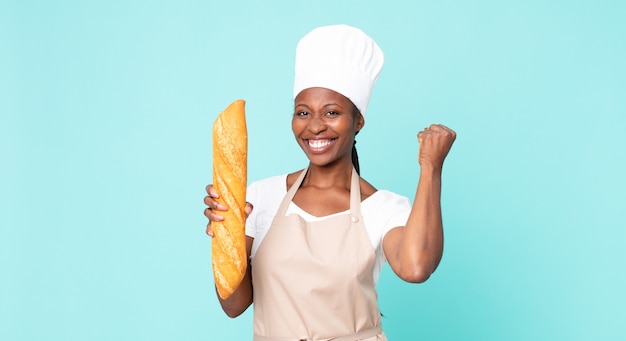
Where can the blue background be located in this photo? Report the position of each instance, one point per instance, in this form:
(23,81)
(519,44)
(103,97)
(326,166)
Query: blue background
(106,109)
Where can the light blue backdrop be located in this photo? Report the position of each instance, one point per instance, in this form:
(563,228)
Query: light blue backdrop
(106,109)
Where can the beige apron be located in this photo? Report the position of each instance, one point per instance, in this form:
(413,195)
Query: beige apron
(313,281)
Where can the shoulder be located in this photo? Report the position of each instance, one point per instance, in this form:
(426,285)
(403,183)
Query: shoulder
(271,182)
(370,195)
(272,188)
(387,200)
(367,189)
(291,178)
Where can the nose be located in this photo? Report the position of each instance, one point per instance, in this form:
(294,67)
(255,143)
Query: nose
(316,125)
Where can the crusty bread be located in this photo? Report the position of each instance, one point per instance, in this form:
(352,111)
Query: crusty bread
(230,152)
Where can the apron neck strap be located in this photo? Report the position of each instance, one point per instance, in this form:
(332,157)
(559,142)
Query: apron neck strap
(355,196)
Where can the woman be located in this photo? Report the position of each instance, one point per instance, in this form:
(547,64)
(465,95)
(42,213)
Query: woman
(317,238)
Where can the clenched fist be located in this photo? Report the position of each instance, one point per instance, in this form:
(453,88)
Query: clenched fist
(435,143)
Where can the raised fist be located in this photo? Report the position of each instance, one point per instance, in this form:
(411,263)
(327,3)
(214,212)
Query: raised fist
(435,143)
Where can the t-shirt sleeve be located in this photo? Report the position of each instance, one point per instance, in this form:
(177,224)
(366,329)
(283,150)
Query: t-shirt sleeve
(398,208)
(265,196)
(251,197)
(383,211)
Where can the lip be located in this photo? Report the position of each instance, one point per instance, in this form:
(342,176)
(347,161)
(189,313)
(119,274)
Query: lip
(319,145)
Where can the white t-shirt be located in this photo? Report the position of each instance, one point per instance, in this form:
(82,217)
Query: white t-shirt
(381,212)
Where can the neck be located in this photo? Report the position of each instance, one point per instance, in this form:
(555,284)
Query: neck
(329,176)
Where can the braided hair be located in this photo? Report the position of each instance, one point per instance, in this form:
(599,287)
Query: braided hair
(355,155)
(355,158)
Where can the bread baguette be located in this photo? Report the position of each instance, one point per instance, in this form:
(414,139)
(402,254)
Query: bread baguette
(230,152)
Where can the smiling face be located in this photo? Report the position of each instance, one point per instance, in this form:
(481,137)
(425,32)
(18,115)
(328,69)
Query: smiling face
(324,124)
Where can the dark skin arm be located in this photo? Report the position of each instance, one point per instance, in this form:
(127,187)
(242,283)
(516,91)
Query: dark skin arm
(414,251)
(241,299)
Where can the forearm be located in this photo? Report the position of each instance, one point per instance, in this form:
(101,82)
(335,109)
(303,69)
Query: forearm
(240,299)
(421,245)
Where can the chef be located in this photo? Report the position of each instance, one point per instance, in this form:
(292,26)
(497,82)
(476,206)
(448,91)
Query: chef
(317,238)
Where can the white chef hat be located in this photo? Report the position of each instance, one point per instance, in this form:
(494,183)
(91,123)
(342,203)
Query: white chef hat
(340,58)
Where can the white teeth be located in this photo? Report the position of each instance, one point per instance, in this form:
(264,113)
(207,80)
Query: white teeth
(319,143)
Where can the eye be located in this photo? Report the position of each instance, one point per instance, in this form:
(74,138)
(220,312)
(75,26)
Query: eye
(300,113)
(332,113)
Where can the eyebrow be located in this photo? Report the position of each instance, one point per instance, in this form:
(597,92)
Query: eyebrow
(324,106)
